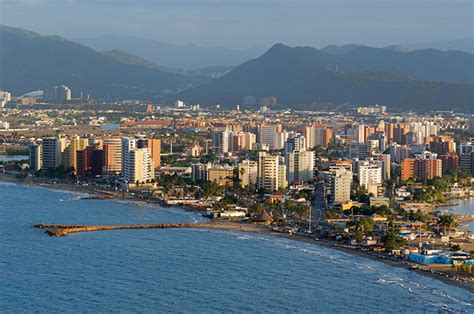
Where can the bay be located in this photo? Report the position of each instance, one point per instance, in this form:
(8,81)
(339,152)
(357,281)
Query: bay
(188,271)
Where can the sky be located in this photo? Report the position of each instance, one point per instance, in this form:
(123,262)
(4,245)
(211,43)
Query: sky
(245,23)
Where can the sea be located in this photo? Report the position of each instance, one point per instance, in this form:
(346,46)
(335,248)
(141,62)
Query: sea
(13,157)
(186,271)
(463,207)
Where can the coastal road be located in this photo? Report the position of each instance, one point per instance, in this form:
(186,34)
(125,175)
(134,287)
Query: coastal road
(318,203)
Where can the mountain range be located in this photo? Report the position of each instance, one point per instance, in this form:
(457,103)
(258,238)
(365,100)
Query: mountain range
(30,61)
(426,64)
(463,44)
(356,74)
(189,57)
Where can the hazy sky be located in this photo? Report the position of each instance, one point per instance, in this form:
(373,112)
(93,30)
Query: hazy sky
(243,23)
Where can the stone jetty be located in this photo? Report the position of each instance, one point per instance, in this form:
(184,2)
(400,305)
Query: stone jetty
(62,230)
(464,218)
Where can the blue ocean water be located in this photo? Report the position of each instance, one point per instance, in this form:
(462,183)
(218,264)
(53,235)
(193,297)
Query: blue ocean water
(13,157)
(463,207)
(178,270)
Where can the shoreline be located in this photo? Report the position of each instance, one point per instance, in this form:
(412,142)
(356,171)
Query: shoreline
(259,229)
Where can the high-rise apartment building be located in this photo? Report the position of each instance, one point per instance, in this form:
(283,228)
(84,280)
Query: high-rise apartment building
(300,166)
(268,135)
(359,150)
(466,162)
(221,141)
(424,166)
(271,172)
(399,152)
(340,182)
(58,93)
(442,145)
(51,152)
(129,144)
(269,102)
(138,166)
(322,136)
(70,152)
(112,155)
(199,172)
(248,173)
(386,166)
(154,145)
(35,157)
(369,173)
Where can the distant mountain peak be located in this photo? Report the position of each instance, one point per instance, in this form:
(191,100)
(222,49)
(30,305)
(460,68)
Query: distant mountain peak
(342,49)
(18,31)
(353,74)
(278,48)
(175,56)
(128,58)
(397,48)
(46,61)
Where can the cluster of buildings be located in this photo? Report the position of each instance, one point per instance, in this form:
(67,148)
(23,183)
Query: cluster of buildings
(269,137)
(293,163)
(57,94)
(272,151)
(267,102)
(287,154)
(135,158)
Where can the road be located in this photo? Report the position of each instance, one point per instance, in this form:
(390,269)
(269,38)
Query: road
(318,203)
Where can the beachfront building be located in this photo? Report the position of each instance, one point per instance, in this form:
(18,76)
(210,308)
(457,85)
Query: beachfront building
(248,173)
(271,172)
(35,157)
(154,144)
(51,152)
(112,155)
(129,144)
(70,152)
(138,166)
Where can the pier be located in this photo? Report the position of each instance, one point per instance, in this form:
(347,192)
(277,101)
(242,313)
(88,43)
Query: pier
(62,230)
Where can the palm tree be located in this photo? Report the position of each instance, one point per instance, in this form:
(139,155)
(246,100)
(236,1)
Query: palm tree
(447,222)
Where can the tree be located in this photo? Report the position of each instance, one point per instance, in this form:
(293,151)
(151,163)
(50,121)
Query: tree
(392,239)
(447,222)
(362,228)
(455,247)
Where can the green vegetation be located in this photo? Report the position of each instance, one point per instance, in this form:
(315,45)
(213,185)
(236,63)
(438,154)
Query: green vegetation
(392,239)
(362,228)
(446,222)
(370,210)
